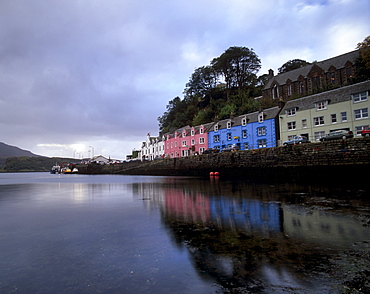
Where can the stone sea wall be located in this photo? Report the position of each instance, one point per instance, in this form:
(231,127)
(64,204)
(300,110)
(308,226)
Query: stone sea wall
(348,159)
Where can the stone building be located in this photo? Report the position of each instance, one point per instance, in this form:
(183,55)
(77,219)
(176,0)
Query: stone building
(313,78)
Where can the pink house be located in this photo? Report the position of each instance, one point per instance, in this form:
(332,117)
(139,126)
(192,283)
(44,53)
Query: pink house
(186,141)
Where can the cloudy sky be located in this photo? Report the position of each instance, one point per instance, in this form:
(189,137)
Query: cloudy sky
(92,76)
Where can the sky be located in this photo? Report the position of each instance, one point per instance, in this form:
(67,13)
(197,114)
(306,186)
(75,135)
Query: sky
(90,77)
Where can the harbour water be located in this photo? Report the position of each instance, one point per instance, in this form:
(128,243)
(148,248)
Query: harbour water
(142,234)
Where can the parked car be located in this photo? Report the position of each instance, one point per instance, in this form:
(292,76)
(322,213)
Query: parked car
(365,132)
(230,148)
(335,135)
(211,150)
(296,140)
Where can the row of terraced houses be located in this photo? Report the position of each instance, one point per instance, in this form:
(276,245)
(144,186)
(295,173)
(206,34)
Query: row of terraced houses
(341,106)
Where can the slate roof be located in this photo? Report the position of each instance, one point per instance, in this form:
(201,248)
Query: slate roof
(269,113)
(333,96)
(293,75)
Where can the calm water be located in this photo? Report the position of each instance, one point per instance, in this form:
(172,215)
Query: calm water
(139,234)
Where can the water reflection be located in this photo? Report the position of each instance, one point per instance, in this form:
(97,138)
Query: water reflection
(257,238)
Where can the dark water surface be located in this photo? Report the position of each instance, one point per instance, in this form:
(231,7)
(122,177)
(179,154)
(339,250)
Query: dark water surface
(140,234)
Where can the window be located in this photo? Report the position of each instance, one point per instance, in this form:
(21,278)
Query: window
(332,77)
(261,131)
(192,142)
(262,143)
(304,123)
(228,125)
(343,116)
(359,97)
(215,128)
(201,140)
(318,121)
(184,134)
(361,113)
(301,87)
(316,83)
(291,112)
(216,138)
(289,90)
(291,125)
(192,132)
(183,143)
(349,72)
(201,150)
(228,136)
(244,133)
(318,135)
(275,92)
(201,131)
(244,121)
(260,117)
(246,146)
(321,105)
(333,118)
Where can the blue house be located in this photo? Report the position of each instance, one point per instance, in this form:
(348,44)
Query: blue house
(249,131)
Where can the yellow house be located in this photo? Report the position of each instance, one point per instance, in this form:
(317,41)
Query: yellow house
(345,108)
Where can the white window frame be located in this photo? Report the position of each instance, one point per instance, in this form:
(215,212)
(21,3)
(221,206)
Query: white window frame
(262,143)
(318,121)
(260,117)
(318,135)
(343,116)
(201,140)
(261,131)
(291,125)
(228,136)
(361,113)
(184,143)
(244,121)
(333,118)
(304,123)
(244,133)
(360,97)
(291,111)
(322,105)
(228,125)
(215,128)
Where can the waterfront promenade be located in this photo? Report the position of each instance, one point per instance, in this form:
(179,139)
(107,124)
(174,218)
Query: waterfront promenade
(348,159)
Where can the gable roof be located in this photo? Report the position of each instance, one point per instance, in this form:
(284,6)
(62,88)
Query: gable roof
(333,96)
(293,75)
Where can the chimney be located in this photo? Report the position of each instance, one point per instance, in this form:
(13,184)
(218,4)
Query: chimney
(271,73)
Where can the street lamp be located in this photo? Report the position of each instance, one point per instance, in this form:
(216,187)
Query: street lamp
(92,151)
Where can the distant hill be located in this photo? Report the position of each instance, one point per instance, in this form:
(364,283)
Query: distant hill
(12,151)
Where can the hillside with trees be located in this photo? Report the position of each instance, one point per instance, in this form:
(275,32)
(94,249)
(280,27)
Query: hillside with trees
(229,85)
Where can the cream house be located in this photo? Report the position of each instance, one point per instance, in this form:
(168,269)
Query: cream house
(316,115)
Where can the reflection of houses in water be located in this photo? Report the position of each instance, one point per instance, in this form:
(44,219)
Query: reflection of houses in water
(323,227)
(186,206)
(246,214)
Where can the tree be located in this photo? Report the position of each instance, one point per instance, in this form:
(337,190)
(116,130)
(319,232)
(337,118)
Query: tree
(362,63)
(291,65)
(202,82)
(239,66)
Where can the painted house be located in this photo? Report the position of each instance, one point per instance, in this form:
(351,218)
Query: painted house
(345,108)
(186,141)
(249,131)
(152,148)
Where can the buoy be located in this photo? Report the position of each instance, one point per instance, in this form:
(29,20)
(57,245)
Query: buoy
(216,173)
(211,174)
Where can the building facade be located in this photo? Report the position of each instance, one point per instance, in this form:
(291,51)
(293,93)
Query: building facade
(345,108)
(313,78)
(250,131)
